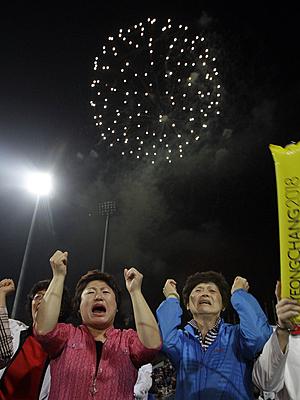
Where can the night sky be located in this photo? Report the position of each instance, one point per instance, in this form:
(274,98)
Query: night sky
(214,209)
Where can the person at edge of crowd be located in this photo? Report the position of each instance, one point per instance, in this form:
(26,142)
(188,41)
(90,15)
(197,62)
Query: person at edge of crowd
(144,382)
(24,373)
(213,359)
(276,372)
(94,360)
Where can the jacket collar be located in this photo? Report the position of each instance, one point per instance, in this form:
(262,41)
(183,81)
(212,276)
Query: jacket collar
(192,331)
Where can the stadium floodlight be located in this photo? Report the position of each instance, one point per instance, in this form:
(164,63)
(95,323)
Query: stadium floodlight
(39,183)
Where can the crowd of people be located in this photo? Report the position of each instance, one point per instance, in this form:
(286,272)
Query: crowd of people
(72,350)
(164,380)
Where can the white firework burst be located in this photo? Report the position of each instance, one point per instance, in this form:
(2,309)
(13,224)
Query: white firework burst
(155,90)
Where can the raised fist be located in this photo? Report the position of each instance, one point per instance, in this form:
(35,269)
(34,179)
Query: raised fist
(7,286)
(170,288)
(240,283)
(58,262)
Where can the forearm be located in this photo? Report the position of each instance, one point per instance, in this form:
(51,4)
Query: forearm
(146,325)
(283,338)
(49,310)
(6,344)
(2,300)
(254,327)
(169,318)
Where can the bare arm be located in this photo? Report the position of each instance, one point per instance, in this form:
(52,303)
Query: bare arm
(48,313)
(146,325)
(285,310)
(7,286)
(6,346)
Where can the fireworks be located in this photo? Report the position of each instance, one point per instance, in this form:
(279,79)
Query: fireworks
(155,90)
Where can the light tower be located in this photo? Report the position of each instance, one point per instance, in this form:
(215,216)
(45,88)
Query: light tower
(106,208)
(40,184)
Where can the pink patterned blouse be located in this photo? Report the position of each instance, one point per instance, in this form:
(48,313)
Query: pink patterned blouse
(74,373)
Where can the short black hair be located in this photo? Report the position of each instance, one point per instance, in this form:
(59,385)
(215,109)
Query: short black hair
(205,277)
(94,275)
(66,304)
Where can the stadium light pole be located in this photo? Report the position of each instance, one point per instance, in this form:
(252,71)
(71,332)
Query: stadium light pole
(106,208)
(40,184)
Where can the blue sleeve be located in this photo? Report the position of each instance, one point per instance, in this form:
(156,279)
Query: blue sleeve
(169,318)
(254,327)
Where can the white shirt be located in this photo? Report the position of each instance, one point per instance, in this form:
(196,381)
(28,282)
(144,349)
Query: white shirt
(143,383)
(276,373)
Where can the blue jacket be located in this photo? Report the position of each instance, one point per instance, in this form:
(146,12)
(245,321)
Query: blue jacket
(223,371)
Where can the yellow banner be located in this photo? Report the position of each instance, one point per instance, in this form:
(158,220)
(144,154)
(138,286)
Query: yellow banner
(287,168)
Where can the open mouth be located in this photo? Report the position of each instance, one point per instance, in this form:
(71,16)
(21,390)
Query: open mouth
(205,302)
(99,309)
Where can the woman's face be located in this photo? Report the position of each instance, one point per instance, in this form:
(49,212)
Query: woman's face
(205,299)
(98,305)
